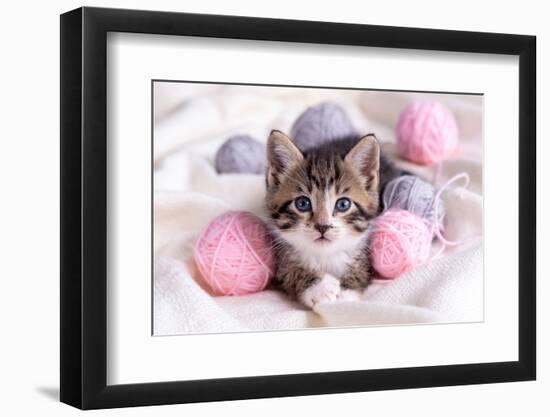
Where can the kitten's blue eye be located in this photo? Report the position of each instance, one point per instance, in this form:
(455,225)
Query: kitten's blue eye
(343,204)
(303,203)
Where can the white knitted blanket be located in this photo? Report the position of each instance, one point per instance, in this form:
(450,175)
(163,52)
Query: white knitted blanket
(192,121)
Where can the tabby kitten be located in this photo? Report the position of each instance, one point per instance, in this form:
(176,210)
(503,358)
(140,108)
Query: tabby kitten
(321,202)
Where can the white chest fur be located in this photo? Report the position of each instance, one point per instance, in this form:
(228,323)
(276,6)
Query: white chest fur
(334,258)
(325,262)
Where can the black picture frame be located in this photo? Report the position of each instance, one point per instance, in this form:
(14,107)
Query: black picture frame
(84,207)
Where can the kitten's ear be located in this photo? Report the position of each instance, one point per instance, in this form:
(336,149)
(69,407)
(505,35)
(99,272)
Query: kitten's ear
(364,157)
(282,156)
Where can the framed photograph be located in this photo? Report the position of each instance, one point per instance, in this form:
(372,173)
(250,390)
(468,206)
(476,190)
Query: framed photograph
(258,208)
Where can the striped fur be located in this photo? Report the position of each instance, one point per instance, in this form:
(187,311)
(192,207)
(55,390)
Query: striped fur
(348,168)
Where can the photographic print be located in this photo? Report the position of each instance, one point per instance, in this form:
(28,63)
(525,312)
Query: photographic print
(289,208)
(333,202)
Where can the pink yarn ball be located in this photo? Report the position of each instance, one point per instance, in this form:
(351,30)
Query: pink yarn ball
(233,254)
(426,132)
(400,241)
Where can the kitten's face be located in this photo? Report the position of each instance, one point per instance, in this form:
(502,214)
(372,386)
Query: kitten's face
(321,202)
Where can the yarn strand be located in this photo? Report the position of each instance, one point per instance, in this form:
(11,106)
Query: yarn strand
(445,186)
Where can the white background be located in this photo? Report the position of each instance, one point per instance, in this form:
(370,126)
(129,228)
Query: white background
(29,213)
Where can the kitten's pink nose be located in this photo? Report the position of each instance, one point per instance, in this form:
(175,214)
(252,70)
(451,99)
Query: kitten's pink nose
(322,228)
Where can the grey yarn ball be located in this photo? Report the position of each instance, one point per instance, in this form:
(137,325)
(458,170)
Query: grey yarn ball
(241,154)
(321,123)
(413,194)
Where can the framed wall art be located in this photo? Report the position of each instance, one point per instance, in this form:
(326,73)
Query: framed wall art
(256,208)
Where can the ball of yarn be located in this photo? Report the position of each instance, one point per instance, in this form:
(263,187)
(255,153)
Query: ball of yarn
(233,254)
(321,123)
(411,193)
(399,241)
(426,132)
(241,154)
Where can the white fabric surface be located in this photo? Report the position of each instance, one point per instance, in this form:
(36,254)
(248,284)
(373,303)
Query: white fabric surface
(192,121)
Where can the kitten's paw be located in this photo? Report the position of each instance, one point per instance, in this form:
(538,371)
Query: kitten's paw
(350,295)
(325,290)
